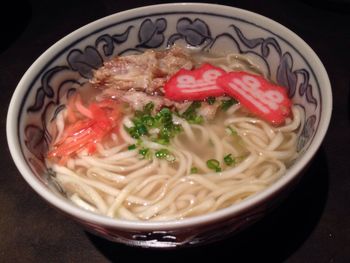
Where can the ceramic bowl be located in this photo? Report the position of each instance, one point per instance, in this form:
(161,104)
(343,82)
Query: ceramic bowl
(284,56)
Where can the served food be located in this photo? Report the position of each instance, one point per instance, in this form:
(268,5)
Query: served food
(170,134)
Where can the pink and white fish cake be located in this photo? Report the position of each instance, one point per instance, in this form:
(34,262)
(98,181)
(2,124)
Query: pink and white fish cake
(265,99)
(197,84)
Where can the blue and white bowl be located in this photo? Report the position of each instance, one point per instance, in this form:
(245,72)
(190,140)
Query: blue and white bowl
(284,57)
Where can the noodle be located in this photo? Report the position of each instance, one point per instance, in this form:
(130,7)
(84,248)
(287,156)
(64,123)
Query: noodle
(116,182)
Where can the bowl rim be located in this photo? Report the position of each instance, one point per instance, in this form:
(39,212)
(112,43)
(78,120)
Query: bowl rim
(87,216)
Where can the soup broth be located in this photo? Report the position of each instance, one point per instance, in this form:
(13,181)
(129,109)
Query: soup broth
(124,150)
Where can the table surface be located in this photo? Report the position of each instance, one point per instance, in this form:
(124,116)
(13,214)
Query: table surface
(312,224)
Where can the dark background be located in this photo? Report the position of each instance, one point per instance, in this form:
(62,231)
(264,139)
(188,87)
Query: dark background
(312,224)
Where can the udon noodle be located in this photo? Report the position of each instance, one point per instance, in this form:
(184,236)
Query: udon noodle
(119,182)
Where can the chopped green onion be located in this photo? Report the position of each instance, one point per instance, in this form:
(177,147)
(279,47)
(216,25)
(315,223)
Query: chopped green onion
(211,100)
(195,105)
(194,170)
(226,104)
(132,147)
(214,164)
(161,122)
(165,112)
(138,142)
(177,128)
(196,120)
(147,120)
(162,141)
(145,152)
(148,108)
(161,154)
(191,114)
(141,129)
(165,154)
(133,132)
(231,131)
(229,160)
(163,117)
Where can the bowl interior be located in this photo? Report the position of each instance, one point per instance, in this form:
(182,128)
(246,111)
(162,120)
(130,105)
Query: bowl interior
(43,90)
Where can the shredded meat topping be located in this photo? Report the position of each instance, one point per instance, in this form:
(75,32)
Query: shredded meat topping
(144,72)
(138,99)
(139,79)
